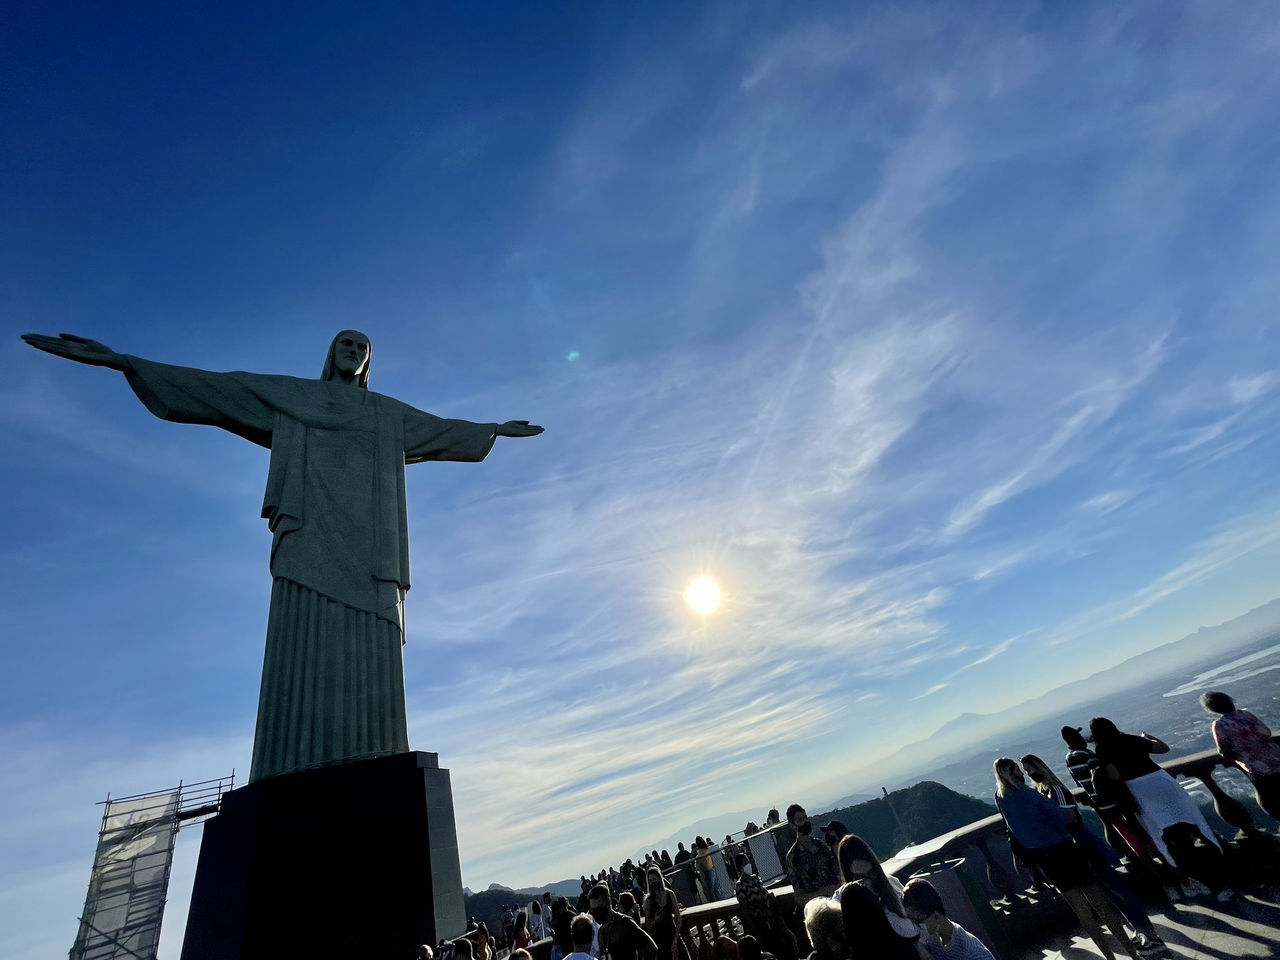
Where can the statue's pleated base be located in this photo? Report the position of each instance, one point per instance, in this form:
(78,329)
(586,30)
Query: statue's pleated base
(332,685)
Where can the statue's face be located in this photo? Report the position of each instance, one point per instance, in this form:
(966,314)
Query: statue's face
(350,354)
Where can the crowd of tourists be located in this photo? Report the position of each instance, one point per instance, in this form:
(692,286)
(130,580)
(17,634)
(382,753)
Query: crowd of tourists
(845,906)
(1150,823)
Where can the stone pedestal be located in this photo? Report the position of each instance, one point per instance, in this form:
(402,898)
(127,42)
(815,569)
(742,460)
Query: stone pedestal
(354,860)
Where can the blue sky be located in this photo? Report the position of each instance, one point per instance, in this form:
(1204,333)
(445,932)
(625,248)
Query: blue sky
(942,335)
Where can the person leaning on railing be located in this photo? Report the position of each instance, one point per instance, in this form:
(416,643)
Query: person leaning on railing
(1246,742)
(1040,826)
(1166,811)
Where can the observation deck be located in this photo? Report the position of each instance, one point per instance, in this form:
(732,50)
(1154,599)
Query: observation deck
(975,873)
(984,890)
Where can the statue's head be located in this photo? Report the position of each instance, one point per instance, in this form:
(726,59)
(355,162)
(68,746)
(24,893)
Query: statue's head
(348,358)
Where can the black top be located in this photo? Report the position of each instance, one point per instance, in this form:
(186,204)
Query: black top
(1130,754)
(622,939)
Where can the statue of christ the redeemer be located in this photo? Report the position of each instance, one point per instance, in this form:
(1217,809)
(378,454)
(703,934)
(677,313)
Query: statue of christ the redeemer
(332,675)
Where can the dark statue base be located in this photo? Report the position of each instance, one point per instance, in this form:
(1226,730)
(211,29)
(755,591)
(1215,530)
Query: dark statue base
(354,860)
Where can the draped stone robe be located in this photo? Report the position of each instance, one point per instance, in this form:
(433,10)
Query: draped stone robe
(332,675)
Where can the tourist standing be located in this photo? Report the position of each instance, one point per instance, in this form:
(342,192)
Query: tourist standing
(702,851)
(1040,826)
(1103,859)
(867,933)
(809,863)
(684,860)
(484,942)
(859,864)
(662,917)
(1244,740)
(538,919)
(521,937)
(619,936)
(762,918)
(561,937)
(582,932)
(1121,827)
(1165,810)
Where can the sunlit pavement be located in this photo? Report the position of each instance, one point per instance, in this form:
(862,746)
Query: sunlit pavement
(1195,930)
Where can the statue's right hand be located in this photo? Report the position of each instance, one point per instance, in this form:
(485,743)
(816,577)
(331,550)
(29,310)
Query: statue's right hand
(80,349)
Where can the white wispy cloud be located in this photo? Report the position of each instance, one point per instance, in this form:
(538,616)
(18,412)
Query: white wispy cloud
(782,462)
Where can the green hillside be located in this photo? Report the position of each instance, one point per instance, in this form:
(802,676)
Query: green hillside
(926,809)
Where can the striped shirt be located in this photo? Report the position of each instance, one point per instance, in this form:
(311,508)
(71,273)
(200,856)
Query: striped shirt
(963,946)
(1081,763)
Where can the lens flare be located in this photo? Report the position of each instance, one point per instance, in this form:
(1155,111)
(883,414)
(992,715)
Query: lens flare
(703,595)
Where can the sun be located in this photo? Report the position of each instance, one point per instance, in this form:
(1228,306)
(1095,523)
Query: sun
(703,595)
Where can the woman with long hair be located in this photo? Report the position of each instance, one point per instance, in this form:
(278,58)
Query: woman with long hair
(662,917)
(763,919)
(706,868)
(1165,810)
(1040,826)
(859,864)
(561,928)
(520,935)
(1101,856)
(537,919)
(867,933)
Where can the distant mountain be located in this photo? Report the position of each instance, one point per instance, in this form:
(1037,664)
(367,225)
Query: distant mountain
(908,816)
(714,828)
(851,800)
(487,904)
(561,888)
(971,731)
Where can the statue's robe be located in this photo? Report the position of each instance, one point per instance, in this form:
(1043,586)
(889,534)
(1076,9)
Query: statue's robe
(332,674)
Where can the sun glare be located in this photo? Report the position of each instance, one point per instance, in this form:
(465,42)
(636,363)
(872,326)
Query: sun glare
(703,595)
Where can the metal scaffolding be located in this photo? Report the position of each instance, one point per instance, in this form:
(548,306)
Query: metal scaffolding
(129,883)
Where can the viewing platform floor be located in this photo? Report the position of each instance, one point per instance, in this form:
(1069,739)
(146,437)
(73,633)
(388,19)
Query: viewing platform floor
(1245,927)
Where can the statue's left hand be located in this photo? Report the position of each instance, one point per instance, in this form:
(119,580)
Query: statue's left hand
(518,428)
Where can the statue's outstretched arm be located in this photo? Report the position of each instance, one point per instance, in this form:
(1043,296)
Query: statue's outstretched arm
(79,349)
(518,428)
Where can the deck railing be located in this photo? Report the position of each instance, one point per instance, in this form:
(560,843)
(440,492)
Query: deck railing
(975,872)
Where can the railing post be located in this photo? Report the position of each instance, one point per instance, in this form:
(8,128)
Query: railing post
(1228,807)
(996,873)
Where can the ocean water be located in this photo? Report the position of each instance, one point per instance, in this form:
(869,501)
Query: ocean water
(1233,674)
